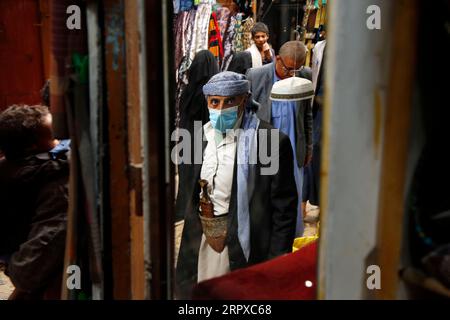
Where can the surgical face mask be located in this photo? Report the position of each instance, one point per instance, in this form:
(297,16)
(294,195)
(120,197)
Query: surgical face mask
(225,119)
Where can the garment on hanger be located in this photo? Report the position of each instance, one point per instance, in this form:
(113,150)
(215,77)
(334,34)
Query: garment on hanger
(238,34)
(228,43)
(181,77)
(317,61)
(245,6)
(223,19)
(176,6)
(200,33)
(185,5)
(214,38)
(180,41)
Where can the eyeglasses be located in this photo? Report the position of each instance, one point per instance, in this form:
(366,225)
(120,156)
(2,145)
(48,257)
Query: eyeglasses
(289,71)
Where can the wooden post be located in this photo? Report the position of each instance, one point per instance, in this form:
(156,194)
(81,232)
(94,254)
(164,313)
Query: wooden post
(395,149)
(134,145)
(159,114)
(115,69)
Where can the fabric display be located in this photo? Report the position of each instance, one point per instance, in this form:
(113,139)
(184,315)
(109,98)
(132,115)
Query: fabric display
(247,27)
(215,40)
(238,43)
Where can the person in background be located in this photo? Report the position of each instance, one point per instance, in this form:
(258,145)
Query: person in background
(241,62)
(260,50)
(292,118)
(193,107)
(311,184)
(34,202)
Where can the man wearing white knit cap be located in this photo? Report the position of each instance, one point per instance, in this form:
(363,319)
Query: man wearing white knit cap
(243,211)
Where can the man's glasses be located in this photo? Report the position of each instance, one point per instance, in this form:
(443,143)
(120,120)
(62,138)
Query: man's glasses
(289,71)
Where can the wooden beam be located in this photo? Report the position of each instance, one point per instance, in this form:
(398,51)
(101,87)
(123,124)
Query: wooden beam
(115,69)
(395,149)
(134,145)
(159,111)
(44,8)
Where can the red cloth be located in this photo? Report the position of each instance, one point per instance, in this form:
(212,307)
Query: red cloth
(283,278)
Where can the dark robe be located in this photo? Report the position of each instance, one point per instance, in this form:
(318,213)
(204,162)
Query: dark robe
(193,107)
(33,215)
(241,62)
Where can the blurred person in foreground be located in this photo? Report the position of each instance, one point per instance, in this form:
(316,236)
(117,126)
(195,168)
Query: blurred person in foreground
(34,199)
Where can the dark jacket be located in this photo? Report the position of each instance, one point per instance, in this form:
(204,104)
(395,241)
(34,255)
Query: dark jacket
(261,81)
(273,212)
(33,211)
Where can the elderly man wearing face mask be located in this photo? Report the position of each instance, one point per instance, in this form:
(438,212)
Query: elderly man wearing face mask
(243,211)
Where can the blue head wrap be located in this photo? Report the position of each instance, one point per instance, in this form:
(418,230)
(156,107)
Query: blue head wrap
(227,84)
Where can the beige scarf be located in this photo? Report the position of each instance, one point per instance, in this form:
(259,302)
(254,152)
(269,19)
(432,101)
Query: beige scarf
(256,56)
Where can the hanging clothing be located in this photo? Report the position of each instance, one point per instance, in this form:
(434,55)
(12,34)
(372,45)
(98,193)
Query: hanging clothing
(228,43)
(180,39)
(200,37)
(245,6)
(317,61)
(176,6)
(184,28)
(247,27)
(239,34)
(189,32)
(241,62)
(214,38)
(185,5)
(223,19)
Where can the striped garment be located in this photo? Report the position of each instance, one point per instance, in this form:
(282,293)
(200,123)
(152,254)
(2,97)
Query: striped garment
(215,40)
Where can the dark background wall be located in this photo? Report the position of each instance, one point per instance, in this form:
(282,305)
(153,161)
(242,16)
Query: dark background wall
(21,56)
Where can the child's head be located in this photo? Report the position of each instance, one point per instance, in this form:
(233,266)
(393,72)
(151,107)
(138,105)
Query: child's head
(25,130)
(260,34)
